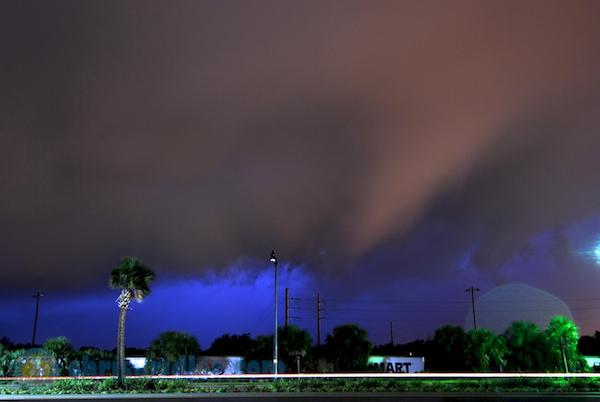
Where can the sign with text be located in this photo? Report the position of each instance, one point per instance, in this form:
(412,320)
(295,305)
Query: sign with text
(397,364)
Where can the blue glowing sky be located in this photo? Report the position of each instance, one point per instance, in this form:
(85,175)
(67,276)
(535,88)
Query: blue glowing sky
(393,154)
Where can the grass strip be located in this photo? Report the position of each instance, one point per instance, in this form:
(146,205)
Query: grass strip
(148,385)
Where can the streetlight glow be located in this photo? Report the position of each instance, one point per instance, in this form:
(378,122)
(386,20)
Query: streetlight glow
(596,253)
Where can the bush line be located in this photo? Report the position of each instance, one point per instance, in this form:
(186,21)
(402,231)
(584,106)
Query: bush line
(148,385)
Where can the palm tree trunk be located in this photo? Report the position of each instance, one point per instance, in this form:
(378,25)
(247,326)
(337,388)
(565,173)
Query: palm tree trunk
(564,356)
(121,345)
(123,303)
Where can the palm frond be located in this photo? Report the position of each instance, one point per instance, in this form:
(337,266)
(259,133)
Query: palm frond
(134,275)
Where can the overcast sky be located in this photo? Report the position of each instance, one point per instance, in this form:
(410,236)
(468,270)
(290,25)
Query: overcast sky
(396,152)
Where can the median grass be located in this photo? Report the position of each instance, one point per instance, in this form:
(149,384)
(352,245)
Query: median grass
(148,385)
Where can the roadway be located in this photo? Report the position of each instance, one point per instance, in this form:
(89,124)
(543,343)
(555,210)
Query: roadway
(316,397)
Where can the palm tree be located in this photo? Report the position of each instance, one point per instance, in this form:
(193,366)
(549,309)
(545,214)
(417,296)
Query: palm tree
(62,349)
(349,347)
(447,350)
(485,351)
(563,335)
(294,343)
(171,346)
(133,277)
(526,347)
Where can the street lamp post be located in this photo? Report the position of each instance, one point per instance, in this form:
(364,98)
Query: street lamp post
(273,259)
(37,307)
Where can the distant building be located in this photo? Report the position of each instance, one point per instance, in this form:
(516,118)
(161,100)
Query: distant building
(189,365)
(593,363)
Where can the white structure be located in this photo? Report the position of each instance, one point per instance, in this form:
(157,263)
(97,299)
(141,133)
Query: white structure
(397,364)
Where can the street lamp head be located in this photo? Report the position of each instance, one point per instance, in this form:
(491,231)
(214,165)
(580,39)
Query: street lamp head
(273,259)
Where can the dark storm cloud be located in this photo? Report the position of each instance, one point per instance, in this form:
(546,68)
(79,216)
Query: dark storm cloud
(539,175)
(193,134)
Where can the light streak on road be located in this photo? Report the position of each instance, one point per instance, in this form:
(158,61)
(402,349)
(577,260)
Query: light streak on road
(251,377)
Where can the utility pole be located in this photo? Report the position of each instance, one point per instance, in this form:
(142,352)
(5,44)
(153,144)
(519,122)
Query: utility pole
(287,306)
(473,290)
(37,308)
(392,331)
(319,318)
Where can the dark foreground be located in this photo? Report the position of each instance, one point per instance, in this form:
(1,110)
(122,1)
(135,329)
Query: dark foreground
(317,397)
(349,388)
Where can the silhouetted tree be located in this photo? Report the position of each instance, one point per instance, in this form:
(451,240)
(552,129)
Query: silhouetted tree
(414,348)
(527,347)
(294,343)
(226,345)
(590,345)
(133,278)
(169,346)
(349,348)
(485,351)
(294,346)
(95,354)
(447,350)
(5,341)
(261,349)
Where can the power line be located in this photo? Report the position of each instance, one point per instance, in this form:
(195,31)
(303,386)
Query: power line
(454,302)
